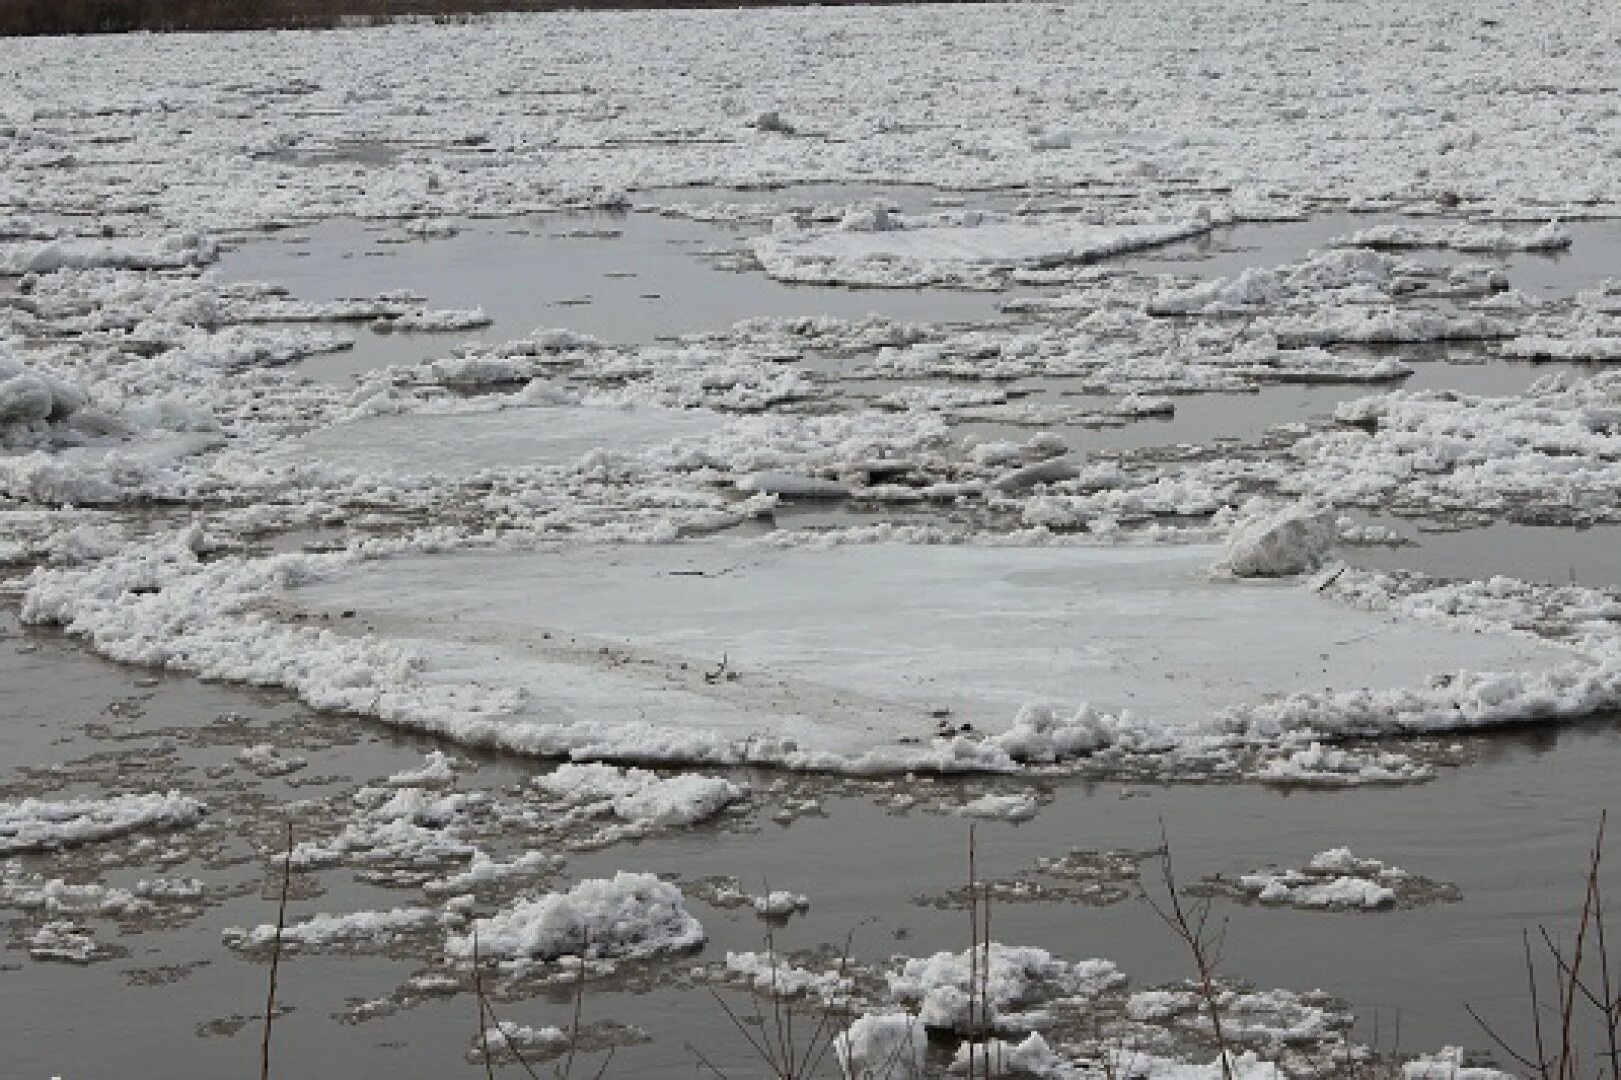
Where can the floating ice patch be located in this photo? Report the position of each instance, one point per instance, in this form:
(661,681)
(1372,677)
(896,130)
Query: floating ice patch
(974,252)
(172,252)
(1486,239)
(1016,979)
(38,825)
(523,438)
(355,930)
(1335,880)
(838,657)
(626,916)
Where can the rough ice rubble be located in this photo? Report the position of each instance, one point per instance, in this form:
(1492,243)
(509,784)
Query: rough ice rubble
(638,801)
(1020,978)
(628,916)
(350,930)
(1549,237)
(172,252)
(1372,132)
(41,825)
(1336,880)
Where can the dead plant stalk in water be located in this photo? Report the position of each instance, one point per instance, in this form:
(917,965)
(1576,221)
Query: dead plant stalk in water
(275,956)
(1191,924)
(1572,988)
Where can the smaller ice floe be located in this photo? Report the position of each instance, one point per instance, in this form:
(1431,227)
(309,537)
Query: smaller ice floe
(38,825)
(176,251)
(964,249)
(437,769)
(264,759)
(1140,405)
(1051,470)
(484,870)
(1018,806)
(999,1057)
(628,916)
(69,942)
(890,1045)
(1337,276)
(1481,239)
(55,896)
(1448,1063)
(1319,765)
(353,931)
(779,904)
(640,800)
(1017,981)
(728,893)
(1266,1020)
(1336,880)
(399,828)
(1279,543)
(510,1035)
(1393,326)
(771,974)
(508,1040)
(35,403)
(433,321)
(792,486)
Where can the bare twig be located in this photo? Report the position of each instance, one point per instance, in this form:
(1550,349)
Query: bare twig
(275,956)
(1192,926)
(483,1009)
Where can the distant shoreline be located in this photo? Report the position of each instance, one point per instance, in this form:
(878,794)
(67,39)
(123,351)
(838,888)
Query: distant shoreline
(36,18)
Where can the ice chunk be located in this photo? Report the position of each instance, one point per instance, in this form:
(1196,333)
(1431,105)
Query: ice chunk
(1281,543)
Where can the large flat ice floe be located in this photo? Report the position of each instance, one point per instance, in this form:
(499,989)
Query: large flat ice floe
(864,656)
(460,443)
(964,253)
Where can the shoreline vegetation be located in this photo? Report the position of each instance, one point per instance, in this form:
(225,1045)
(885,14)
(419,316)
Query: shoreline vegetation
(32,18)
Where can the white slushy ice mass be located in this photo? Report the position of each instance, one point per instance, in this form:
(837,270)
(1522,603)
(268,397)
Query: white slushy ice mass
(841,652)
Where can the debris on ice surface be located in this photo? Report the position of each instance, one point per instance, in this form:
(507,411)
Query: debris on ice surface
(39,825)
(629,916)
